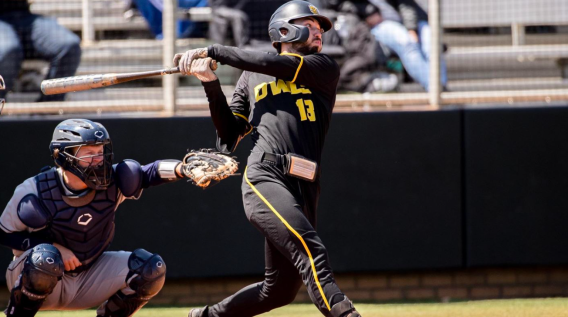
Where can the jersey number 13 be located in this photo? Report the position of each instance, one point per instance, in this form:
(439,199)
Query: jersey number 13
(306,108)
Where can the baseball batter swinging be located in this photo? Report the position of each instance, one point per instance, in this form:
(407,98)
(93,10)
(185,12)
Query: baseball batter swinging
(285,102)
(60,223)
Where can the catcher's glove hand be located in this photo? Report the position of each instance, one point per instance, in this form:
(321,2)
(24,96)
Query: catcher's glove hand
(206,165)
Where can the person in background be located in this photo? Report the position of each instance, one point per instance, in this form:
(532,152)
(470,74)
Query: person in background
(225,13)
(152,10)
(408,35)
(361,71)
(24,35)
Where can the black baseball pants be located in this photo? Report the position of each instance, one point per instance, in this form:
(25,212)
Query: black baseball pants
(283,209)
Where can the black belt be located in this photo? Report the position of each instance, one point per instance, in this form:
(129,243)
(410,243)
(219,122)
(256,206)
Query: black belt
(291,164)
(275,159)
(278,160)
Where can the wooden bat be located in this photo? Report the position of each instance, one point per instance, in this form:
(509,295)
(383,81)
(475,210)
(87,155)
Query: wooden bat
(86,82)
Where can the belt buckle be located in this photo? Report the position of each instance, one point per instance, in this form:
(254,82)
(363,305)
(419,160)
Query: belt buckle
(300,167)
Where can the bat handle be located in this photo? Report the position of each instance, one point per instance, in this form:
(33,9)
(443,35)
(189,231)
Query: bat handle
(169,71)
(175,70)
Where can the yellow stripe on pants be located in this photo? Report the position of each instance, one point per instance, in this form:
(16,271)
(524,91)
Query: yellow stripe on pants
(295,233)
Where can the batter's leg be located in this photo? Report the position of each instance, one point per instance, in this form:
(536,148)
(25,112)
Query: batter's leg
(279,215)
(279,288)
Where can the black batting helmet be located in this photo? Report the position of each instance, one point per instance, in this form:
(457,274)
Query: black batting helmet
(291,11)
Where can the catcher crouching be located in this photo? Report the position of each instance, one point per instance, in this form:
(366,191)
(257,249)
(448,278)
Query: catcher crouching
(60,222)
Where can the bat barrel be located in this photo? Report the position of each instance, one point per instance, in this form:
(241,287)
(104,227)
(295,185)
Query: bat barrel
(76,83)
(86,82)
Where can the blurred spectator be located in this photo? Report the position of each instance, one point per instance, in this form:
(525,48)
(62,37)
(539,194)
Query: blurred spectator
(152,10)
(408,35)
(259,13)
(24,35)
(225,13)
(361,70)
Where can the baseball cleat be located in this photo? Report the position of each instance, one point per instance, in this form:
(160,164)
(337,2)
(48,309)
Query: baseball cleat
(354,313)
(198,312)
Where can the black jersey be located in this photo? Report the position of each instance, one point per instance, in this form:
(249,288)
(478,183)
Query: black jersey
(284,101)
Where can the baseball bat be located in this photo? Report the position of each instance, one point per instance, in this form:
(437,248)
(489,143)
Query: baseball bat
(86,82)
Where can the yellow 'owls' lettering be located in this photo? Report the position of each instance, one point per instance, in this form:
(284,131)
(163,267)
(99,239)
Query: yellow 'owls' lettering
(277,87)
(260,91)
(295,90)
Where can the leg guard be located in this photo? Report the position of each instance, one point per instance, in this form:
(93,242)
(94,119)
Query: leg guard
(344,308)
(42,270)
(145,279)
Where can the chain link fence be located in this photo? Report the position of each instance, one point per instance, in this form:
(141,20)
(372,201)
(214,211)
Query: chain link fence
(490,51)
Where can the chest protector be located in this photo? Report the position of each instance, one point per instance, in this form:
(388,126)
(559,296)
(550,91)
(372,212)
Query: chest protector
(86,230)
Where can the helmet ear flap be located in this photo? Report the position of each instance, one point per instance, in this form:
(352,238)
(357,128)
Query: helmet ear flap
(60,157)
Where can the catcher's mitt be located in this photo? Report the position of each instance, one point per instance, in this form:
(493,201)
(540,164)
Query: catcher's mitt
(206,165)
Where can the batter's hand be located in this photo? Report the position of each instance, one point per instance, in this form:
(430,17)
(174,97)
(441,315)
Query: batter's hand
(201,69)
(184,60)
(69,259)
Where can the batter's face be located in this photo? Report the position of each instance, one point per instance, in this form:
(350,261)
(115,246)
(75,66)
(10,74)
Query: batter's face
(314,42)
(90,155)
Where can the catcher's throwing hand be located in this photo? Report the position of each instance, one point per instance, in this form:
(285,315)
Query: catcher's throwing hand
(201,69)
(183,60)
(205,165)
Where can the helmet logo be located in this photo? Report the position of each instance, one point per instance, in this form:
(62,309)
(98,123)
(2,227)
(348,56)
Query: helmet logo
(314,9)
(99,134)
(84,219)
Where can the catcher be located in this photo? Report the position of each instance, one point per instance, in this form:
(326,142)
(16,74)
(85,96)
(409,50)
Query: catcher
(60,222)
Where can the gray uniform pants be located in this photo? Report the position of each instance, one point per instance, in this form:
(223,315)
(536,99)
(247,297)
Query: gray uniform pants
(84,290)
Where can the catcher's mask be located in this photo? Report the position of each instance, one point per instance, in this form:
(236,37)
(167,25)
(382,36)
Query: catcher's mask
(68,138)
(285,14)
(2,101)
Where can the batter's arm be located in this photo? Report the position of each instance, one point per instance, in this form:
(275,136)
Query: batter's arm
(315,70)
(231,121)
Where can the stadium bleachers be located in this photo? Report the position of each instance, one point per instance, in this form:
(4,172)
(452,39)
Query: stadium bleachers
(476,61)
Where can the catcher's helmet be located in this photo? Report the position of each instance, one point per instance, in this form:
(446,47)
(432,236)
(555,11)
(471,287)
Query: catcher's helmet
(292,10)
(69,136)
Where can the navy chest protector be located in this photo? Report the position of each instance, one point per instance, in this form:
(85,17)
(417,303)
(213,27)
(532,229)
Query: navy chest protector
(86,230)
